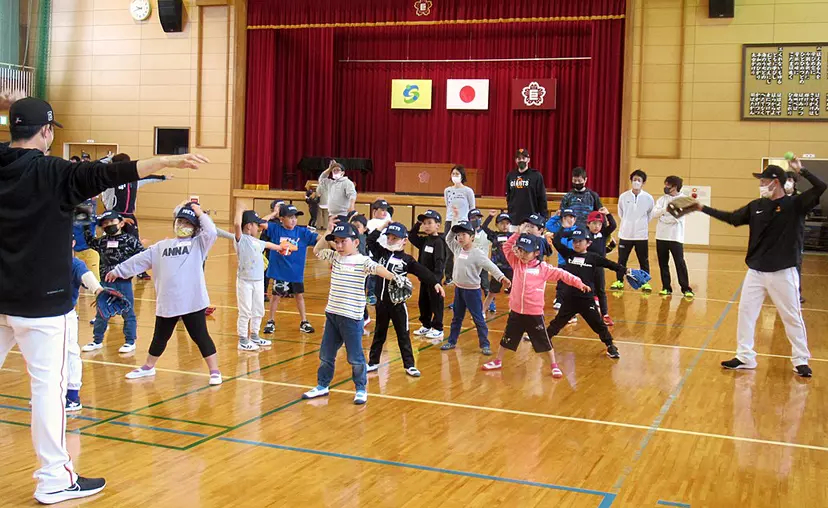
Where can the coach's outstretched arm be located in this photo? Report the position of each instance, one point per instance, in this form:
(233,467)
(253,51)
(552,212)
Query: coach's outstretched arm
(738,217)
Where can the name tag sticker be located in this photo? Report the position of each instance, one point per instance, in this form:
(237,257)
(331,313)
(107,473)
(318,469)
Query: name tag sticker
(502,238)
(112,244)
(533,271)
(429,249)
(577,261)
(462,255)
(186,243)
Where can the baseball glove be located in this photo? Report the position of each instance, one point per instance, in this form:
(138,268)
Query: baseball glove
(611,245)
(400,289)
(681,206)
(111,302)
(638,278)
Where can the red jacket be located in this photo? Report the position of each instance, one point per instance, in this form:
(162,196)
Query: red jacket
(529,281)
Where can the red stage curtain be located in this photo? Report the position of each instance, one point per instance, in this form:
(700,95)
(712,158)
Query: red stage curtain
(303,101)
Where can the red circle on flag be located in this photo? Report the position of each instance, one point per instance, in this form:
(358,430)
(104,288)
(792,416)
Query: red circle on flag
(467,94)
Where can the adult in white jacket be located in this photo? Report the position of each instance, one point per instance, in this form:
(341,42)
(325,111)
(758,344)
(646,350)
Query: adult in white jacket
(670,239)
(635,208)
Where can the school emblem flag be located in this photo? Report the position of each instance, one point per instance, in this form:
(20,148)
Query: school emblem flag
(533,94)
(410,94)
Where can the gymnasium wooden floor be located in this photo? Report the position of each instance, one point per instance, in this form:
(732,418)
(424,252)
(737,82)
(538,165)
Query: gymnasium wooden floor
(663,426)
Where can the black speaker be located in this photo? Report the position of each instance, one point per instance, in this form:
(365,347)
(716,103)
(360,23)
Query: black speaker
(721,8)
(171,14)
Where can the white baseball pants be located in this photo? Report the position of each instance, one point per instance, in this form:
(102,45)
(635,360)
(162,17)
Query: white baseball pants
(250,300)
(783,288)
(44,343)
(75,366)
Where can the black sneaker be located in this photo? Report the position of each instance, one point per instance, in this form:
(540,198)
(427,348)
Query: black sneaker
(270,327)
(83,487)
(612,351)
(306,327)
(144,276)
(803,370)
(736,363)
(801,300)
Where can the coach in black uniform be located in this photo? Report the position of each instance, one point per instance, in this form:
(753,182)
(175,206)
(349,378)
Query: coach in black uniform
(775,221)
(38,195)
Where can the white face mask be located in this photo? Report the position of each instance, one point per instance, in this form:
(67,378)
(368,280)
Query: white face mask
(789,187)
(184,231)
(765,191)
(336,176)
(397,247)
(636,184)
(457,179)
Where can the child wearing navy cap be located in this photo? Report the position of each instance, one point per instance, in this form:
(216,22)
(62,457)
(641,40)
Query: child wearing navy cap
(433,255)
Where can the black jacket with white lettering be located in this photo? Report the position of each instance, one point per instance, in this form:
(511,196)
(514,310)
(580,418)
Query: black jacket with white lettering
(38,195)
(525,195)
(398,263)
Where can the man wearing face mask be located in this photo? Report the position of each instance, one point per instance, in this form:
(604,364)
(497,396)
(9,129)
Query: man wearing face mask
(581,199)
(635,208)
(790,190)
(38,195)
(338,189)
(525,190)
(775,221)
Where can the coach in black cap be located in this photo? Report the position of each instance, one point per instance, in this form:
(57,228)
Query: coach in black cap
(36,270)
(775,221)
(525,190)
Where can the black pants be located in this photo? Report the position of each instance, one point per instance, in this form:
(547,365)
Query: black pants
(449,256)
(601,290)
(625,248)
(313,210)
(664,248)
(431,308)
(397,314)
(585,306)
(196,325)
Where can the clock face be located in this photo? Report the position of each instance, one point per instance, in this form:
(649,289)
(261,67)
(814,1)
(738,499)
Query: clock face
(139,9)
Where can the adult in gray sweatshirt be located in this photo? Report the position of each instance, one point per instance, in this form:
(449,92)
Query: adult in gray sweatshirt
(338,189)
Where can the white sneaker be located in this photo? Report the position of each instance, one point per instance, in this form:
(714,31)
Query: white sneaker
(215,379)
(557,305)
(422,331)
(92,346)
(248,346)
(319,391)
(372,368)
(361,397)
(434,334)
(260,341)
(412,371)
(139,373)
(127,348)
(367,321)
(573,320)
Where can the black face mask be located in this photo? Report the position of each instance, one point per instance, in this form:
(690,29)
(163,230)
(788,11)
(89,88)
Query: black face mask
(111,230)
(578,186)
(475,223)
(667,190)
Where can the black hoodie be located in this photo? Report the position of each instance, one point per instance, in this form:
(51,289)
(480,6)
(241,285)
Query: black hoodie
(38,195)
(525,194)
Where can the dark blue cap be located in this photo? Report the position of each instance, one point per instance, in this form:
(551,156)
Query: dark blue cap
(568,211)
(288,210)
(430,214)
(475,212)
(109,215)
(462,226)
(396,229)
(503,216)
(250,216)
(380,203)
(276,202)
(529,243)
(342,230)
(580,234)
(187,214)
(536,220)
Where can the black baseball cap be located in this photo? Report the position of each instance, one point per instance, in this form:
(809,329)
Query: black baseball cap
(275,202)
(504,216)
(187,214)
(396,229)
(359,218)
(32,112)
(568,211)
(475,212)
(251,217)
(462,226)
(109,215)
(580,234)
(522,152)
(535,219)
(528,242)
(430,214)
(288,210)
(380,203)
(772,172)
(342,230)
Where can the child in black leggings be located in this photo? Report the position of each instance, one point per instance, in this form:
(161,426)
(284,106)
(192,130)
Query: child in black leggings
(178,265)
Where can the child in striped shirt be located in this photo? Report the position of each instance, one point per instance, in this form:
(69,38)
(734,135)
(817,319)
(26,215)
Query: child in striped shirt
(346,304)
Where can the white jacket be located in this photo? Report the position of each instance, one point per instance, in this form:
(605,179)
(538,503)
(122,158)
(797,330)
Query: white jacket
(635,213)
(668,227)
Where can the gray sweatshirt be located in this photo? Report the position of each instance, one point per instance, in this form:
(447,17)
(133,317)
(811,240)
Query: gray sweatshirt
(339,194)
(178,271)
(469,263)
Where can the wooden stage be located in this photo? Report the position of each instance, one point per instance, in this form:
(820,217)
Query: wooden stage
(662,426)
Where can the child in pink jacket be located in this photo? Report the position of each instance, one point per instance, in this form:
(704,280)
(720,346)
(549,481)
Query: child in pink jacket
(526,301)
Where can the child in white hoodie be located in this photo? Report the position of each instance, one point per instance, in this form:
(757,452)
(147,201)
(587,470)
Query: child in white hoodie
(670,239)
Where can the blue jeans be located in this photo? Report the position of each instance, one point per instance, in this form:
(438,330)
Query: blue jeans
(339,330)
(130,325)
(472,300)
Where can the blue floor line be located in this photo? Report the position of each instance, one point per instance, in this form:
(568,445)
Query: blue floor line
(673,503)
(480,476)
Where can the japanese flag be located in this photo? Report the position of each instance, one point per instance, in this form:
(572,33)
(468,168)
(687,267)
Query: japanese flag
(467,94)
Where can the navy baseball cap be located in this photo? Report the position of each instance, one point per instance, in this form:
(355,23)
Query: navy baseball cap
(568,211)
(430,214)
(503,216)
(109,215)
(187,214)
(396,229)
(32,112)
(475,212)
(342,230)
(359,218)
(580,234)
(528,242)
(380,203)
(462,226)
(288,210)
(536,220)
(275,203)
(250,216)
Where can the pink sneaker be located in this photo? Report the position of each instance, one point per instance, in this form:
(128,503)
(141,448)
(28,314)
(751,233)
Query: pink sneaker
(556,372)
(492,365)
